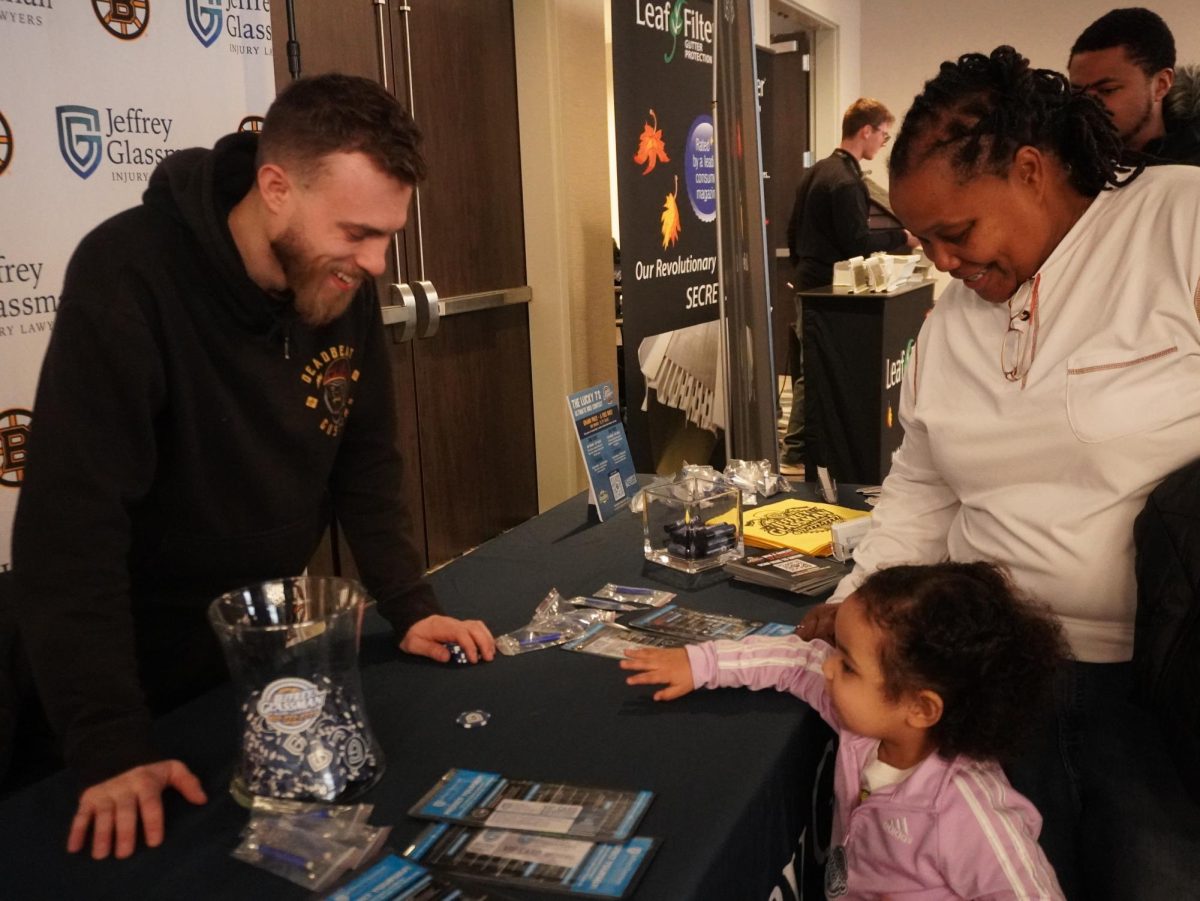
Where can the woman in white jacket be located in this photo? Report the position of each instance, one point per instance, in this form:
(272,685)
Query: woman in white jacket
(1056,383)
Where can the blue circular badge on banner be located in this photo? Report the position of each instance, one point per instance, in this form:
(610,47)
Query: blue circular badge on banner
(700,169)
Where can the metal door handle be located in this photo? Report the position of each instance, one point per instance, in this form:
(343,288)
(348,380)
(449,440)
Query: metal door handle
(402,313)
(429,311)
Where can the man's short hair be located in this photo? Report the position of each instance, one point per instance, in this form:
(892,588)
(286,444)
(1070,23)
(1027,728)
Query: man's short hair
(314,117)
(1145,36)
(864,111)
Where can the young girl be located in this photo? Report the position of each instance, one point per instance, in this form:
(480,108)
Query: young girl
(929,685)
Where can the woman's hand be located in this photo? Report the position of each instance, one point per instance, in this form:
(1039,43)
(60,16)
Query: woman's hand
(818,623)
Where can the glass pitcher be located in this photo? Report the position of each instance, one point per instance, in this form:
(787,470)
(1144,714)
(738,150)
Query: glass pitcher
(292,649)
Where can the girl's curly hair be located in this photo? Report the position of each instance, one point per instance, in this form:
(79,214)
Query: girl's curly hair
(979,110)
(960,629)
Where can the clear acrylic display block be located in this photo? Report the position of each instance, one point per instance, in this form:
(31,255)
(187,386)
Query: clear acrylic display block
(679,524)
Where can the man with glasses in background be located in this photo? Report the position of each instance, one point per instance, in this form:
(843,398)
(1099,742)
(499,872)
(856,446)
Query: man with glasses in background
(830,223)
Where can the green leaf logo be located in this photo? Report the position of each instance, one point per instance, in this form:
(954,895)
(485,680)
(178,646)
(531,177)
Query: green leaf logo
(676,23)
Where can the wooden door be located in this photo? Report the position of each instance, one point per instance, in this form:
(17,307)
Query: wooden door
(474,388)
(784,122)
(465,394)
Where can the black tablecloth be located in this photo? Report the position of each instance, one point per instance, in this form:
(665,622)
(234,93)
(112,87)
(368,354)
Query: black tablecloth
(733,771)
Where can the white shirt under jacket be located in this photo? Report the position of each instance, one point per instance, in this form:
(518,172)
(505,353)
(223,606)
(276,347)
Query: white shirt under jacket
(1047,480)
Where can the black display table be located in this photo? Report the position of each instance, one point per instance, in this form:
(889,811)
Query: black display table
(855,349)
(735,772)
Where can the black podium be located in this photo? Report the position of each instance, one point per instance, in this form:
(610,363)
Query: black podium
(856,349)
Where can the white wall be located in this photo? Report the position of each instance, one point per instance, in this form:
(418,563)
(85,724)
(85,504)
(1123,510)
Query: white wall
(562,86)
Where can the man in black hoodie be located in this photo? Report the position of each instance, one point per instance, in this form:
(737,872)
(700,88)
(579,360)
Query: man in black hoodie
(216,386)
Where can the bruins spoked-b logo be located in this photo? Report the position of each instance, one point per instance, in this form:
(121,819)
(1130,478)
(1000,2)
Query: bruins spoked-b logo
(79,138)
(6,144)
(14,441)
(204,18)
(124,19)
(251,123)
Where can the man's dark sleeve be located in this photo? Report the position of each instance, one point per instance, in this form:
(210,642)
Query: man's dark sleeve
(367,494)
(91,458)
(854,237)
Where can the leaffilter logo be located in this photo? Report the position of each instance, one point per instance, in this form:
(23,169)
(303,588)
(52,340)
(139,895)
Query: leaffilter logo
(124,19)
(79,138)
(6,144)
(204,18)
(676,23)
(14,441)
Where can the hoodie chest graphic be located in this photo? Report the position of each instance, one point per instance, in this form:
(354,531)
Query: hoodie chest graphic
(329,377)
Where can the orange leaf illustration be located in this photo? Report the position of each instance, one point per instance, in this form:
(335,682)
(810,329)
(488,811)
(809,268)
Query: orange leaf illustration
(651,149)
(670,217)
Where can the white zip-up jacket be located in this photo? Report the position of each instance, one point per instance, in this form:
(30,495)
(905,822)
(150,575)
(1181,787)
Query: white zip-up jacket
(1046,478)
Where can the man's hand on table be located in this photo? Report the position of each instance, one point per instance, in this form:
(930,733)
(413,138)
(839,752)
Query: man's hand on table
(818,623)
(660,666)
(112,808)
(428,637)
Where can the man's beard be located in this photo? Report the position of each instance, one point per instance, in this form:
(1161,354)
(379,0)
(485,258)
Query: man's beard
(1131,132)
(316,302)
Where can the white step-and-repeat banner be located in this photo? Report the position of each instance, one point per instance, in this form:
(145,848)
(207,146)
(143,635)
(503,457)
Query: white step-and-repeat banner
(93,95)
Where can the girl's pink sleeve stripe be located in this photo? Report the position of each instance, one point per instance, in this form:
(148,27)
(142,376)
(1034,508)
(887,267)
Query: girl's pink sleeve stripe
(785,663)
(997,831)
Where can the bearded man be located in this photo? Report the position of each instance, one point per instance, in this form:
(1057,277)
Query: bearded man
(217,386)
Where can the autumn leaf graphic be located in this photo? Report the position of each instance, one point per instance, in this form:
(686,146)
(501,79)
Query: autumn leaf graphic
(670,217)
(651,149)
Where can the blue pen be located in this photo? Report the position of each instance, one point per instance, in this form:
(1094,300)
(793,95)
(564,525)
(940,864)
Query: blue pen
(540,639)
(287,857)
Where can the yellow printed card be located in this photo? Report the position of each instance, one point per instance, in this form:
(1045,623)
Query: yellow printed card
(803,525)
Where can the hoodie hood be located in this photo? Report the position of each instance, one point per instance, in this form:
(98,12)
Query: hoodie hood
(1181,119)
(198,188)
(1181,106)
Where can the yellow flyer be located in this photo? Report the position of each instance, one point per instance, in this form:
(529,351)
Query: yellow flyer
(803,525)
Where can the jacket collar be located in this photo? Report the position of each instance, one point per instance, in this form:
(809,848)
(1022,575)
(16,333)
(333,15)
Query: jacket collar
(924,785)
(850,160)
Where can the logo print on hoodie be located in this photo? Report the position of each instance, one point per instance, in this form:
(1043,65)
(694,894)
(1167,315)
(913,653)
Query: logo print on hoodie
(331,374)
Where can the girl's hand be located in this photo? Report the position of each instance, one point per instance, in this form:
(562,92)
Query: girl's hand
(660,666)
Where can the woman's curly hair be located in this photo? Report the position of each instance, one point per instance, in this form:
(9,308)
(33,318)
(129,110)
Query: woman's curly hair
(960,629)
(980,110)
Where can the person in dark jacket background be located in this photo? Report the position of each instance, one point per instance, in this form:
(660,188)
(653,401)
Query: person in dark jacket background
(1126,60)
(216,386)
(830,223)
